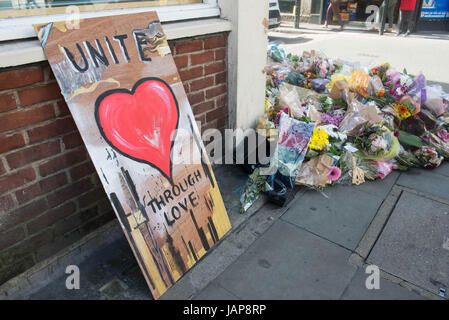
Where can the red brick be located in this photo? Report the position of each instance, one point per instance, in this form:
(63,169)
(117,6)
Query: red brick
(202,83)
(11,142)
(48,73)
(91,197)
(172,48)
(2,168)
(75,221)
(52,129)
(72,140)
(214,67)
(221,123)
(200,58)
(181,62)
(196,98)
(20,215)
(203,107)
(215,114)
(69,192)
(63,109)
(208,125)
(192,73)
(82,170)
(221,100)
(189,46)
(25,156)
(200,120)
(22,118)
(39,94)
(16,179)
(186,87)
(216,91)
(220,54)
(41,187)
(220,78)
(20,77)
(50,217)
(216,42)
(6,204)
(11,237)
(7,102)
(64,161)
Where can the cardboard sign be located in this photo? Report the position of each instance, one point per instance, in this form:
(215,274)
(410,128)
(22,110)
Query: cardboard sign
(121,84)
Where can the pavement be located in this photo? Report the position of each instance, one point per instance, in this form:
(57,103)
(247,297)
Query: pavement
(321,245)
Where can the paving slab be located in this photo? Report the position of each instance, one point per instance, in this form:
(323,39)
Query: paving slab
(287,262)
(427,181)
(443,169)
(215,292)
(388,290)
(414,245)
(112,273)
(342,218)
(379,187)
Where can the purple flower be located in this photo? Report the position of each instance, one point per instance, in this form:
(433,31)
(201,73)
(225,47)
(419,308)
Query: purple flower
(443,135)
(332,119)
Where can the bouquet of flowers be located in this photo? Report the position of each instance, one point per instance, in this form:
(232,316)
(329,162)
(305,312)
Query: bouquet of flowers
(428,157)
(319,139)
(381,72)
(376,143)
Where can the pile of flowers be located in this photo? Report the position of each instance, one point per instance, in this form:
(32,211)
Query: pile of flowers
(368,120)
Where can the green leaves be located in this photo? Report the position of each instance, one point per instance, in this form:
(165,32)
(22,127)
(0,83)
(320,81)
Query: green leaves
(410,139)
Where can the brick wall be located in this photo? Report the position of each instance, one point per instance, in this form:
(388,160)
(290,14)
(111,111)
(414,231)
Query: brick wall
(50,194)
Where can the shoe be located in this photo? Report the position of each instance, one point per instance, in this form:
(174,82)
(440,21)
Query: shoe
(398,34)
(389,30)
(406,34)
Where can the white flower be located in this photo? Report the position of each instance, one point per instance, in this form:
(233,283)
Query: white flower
(378,144)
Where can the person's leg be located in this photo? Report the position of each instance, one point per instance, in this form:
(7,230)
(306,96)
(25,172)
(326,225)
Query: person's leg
(336,10)
(390,12)
(409,22)
(328,14)
(401,22)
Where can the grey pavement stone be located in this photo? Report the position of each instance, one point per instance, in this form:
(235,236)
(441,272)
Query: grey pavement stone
(413,243)
(377,224)
(342,218)
(113,288)
(215,292)
(388,290)
(379,187)
(426,181)
(289,263)
(443,169)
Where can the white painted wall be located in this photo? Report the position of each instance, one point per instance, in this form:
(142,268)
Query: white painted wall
(247,47)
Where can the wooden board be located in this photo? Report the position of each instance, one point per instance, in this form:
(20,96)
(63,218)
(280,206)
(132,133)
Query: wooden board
(124,91)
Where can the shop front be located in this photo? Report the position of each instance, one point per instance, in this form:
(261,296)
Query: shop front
(433,15)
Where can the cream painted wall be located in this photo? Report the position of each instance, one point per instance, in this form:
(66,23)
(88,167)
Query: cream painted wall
(247,47)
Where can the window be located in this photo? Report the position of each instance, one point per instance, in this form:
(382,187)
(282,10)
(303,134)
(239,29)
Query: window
(18,16)
(23,8)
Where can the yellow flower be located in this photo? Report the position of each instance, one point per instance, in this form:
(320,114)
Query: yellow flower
(319,139)
(406,114)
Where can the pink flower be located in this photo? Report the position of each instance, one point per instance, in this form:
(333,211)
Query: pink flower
(384,168)
(443,135)
(334,173)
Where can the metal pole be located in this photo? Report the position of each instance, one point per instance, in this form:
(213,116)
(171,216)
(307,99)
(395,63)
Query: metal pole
(298,13)
(384,17)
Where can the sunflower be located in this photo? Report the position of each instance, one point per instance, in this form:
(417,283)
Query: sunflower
(406,114)
(402,109)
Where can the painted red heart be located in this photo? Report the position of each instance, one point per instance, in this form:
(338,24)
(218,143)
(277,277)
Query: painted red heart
(139,123)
